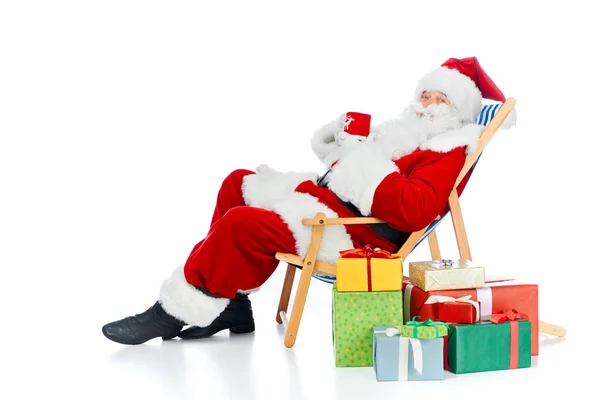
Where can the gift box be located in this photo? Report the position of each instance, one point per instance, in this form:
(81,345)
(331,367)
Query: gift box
(368,270)
(398,358)
(500,344)
(446,274)
(427,329)
(354,316)
(460,310)
(494,297)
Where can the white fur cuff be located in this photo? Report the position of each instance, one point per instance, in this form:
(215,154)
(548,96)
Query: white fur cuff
(185,302)
(263,188)
(356,177)
(297,206)
(323,140)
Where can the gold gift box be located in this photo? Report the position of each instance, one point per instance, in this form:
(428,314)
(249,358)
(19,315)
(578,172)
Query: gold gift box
(446,274)
(352,275)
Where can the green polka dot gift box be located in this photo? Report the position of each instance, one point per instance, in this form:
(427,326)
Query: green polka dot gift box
(354,316)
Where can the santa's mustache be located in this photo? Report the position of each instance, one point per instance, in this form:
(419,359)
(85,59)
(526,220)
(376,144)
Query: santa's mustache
(432,111)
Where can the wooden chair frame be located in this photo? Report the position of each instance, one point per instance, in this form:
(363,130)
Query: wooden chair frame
(318,223)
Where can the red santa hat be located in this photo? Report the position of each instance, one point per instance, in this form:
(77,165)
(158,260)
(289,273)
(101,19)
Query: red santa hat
(465,84)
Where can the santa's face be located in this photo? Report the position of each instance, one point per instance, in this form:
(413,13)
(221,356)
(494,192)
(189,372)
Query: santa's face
(432,115)
(421,120)
(434,105)
(432,97)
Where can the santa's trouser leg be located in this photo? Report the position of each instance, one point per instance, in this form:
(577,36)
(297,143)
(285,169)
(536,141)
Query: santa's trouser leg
(237,256)
(156,322)
(229,196)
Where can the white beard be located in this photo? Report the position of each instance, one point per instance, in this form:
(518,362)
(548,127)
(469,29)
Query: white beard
(401,136)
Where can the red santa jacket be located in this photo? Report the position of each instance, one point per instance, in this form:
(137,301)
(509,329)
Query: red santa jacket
(408,192)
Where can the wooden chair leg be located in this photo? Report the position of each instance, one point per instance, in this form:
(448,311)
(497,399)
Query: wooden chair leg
(291,330)
(459,227)
(549,329)
(434,246)
(410,243)
(286,291)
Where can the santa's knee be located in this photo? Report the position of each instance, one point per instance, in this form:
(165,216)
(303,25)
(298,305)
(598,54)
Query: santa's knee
(244,218)
(236,177)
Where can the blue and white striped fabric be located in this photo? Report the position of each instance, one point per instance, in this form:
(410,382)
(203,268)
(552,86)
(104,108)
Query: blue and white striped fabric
(325,278)
(488,112)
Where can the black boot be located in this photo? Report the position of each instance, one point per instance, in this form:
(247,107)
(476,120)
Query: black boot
(237,317)
(140,328)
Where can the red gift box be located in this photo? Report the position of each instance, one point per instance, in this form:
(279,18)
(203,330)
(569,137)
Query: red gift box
(461,310)
(459,313)
(494,298)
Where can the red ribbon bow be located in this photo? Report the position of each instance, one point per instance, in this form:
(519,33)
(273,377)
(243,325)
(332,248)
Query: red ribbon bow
(507,315)
(368,252)
(512,316)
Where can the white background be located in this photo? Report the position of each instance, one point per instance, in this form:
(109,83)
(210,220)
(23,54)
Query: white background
(119,120)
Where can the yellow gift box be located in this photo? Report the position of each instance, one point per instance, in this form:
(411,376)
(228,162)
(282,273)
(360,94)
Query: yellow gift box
(446,274)
(368,270)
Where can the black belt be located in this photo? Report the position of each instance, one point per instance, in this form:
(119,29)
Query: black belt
(388,233)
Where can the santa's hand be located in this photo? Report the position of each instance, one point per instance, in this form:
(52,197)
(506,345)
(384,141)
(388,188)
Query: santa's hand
(346,144)
(344,139)
(349,146)
(323,141)
(338,123)
(328,132)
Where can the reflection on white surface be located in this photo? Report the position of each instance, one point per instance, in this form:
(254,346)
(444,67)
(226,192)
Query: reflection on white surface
(249,366)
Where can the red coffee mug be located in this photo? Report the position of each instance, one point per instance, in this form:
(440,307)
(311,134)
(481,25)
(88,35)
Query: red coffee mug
(357,123)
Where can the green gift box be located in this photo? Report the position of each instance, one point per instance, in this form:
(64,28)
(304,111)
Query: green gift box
(354,316)
(427,329)
(503,343)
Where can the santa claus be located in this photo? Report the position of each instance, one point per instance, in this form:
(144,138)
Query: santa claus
(402,173)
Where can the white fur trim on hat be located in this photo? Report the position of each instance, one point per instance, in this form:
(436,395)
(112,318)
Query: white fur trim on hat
(185,302)
(460,90)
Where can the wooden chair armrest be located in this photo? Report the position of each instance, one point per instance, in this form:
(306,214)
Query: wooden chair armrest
(345,221)
(342,221)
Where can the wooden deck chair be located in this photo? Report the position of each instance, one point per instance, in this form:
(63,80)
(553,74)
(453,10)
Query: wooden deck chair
(492,117)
